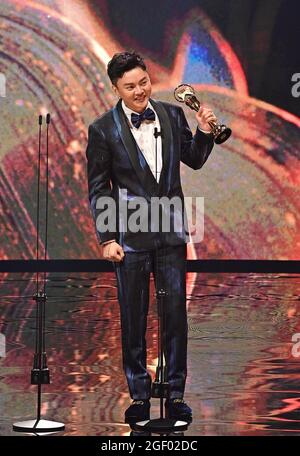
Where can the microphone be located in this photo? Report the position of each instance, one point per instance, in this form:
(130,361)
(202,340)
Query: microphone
(157,133)
(48,118)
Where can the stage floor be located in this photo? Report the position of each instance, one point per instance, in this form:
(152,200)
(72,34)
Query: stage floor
(243,369)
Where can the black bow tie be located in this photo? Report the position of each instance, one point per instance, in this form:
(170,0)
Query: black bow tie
(137,119)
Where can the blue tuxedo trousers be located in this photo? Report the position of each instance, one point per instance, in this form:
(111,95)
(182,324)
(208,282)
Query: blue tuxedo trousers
(133,277)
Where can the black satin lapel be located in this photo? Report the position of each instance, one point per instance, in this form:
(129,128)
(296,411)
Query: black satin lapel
(167,143)
(144,174)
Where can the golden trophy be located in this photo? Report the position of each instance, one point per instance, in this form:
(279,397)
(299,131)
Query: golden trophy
(186,94)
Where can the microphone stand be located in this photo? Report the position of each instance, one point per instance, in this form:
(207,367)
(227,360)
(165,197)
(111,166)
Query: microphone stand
(40,373)
(160,387)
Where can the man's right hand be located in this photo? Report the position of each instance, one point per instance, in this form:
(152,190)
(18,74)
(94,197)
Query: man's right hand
(113,252)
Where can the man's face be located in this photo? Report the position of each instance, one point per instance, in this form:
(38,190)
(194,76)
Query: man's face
(134,87)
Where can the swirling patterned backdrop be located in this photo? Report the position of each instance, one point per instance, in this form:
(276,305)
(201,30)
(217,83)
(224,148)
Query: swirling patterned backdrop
(53,56)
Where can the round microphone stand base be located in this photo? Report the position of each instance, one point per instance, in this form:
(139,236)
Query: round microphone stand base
(161,425)
(38,426)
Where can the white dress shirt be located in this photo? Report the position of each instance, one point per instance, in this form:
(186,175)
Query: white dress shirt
(144,136)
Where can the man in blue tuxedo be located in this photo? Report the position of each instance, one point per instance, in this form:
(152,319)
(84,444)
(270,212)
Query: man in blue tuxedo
(134,153)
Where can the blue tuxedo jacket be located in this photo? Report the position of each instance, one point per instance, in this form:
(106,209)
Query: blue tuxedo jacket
(117,169)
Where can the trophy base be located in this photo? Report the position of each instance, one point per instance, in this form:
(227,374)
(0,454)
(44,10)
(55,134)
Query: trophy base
(221,134)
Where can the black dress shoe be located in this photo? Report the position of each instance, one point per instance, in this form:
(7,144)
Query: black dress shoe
(179,410)
(139,410)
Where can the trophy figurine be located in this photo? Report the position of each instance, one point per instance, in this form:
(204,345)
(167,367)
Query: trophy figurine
(186,94)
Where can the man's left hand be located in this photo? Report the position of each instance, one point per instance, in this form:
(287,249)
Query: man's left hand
(203,116)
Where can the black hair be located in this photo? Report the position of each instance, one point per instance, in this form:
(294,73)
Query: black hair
(122,62)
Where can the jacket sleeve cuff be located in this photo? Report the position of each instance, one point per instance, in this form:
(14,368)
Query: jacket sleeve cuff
(204,131)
